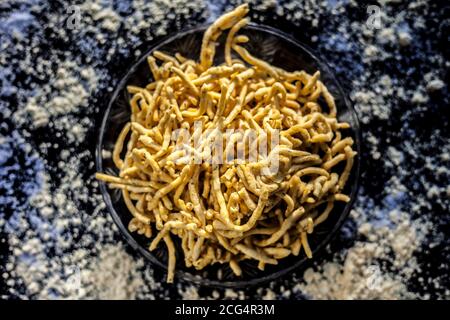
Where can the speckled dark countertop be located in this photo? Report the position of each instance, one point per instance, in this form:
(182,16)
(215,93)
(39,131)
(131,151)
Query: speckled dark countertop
(406,133)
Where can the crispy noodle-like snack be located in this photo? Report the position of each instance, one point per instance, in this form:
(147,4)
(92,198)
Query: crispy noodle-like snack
(225,213)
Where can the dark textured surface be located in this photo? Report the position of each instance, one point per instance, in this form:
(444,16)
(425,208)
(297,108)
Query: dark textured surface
(424,126)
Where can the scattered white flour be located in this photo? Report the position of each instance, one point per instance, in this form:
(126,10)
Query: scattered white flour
(63,242)
(358,276)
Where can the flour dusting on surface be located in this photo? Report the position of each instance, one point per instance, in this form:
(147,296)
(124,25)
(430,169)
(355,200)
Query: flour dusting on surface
(57,239)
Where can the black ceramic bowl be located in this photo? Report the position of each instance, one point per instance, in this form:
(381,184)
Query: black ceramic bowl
(278,49)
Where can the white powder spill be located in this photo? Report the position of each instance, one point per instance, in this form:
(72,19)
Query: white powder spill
(56,236)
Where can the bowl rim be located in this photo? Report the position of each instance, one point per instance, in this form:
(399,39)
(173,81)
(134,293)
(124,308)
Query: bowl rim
(182,275)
